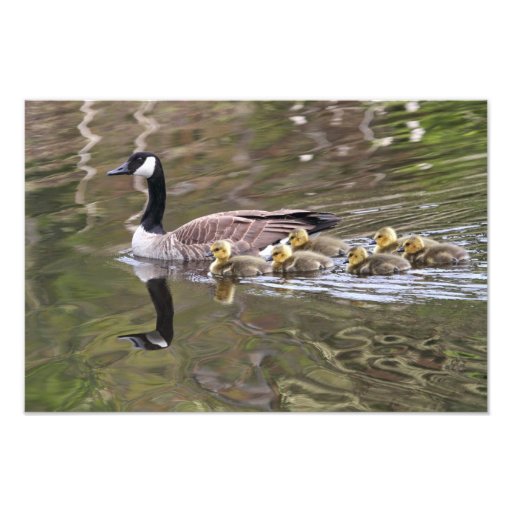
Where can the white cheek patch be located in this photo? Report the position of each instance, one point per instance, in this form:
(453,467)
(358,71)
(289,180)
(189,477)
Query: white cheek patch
(147,168)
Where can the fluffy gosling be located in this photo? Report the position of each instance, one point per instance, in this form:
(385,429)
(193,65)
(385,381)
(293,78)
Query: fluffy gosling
(302,261)
(360,263)
(236,266)
(416,251)
(388,242)
(326,245)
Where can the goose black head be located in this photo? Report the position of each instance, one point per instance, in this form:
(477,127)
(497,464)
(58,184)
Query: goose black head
(141,163)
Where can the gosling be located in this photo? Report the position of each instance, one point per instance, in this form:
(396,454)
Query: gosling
(360,263)
(416,251)
(388,242)
(326,245)
(236,266)
(303,261)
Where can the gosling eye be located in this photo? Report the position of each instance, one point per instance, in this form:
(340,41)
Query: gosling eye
(407,244)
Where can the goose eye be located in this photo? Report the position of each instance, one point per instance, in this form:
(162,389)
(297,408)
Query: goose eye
(379,236)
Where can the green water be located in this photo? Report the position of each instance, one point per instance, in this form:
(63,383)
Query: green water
(326,342)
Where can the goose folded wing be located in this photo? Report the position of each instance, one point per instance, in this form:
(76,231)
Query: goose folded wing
(251,229)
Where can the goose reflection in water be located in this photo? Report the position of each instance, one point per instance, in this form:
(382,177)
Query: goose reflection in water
(246,383)
(160,293)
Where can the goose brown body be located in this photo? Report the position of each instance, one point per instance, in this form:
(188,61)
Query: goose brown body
(326,245)
(440,254)
(248,231)
(302,261)
(360,263)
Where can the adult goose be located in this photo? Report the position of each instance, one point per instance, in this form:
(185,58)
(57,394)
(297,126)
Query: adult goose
(248,231)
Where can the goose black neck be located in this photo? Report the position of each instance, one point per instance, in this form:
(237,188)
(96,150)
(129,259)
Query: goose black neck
(152,218)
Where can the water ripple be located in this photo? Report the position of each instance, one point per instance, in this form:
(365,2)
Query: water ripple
(85,157)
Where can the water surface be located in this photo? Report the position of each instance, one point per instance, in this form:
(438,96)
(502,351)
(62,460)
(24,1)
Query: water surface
(321,342)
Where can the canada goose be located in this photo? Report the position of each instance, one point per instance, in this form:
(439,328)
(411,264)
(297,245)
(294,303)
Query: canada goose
(440,254)
(248,230)
(236,266)
(388,242)
(326,245)
(302,261)
(359,262)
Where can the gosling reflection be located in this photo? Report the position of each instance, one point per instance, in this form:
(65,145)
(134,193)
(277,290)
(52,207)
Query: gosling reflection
(224,291)
(163,334)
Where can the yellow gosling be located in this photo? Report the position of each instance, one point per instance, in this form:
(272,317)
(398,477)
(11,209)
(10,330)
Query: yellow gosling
(388,242)
(326,245)
(361,263)
(439,254)
(284,260)
(236,266)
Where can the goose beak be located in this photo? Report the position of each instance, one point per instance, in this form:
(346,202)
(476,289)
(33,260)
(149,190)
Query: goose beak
(372,242)
(344,260)
(209,254)
(120,170)
(400,249)
(268,258)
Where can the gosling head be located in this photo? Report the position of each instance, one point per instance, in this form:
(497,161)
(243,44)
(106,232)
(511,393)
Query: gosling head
(385,237)
(221,250)
(413,245)
(280,253)
(357,255)
(298,238)
(140,164)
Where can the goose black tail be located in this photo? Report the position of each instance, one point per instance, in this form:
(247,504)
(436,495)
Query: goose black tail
(322,221)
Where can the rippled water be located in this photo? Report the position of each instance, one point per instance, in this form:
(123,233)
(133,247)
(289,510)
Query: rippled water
(322,342)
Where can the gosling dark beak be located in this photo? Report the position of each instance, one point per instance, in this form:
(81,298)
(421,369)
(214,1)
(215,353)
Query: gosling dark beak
(400,249)
(209,254)
(268,258)
(288,242)
(344,260)
(120,170)
(372,242)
